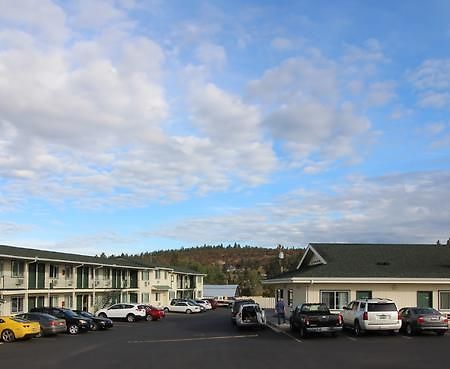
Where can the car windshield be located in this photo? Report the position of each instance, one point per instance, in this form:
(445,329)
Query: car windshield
(316,308)
(19,320)
(70,314)
(85,313)
(426,311)
(390,306)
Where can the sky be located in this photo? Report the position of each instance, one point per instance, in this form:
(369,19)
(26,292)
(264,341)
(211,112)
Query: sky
(133,126)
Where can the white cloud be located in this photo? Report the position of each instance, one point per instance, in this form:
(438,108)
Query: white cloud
(282,44)
(211,55)
(42,18)
(432,80)
(381,93)
(397,208)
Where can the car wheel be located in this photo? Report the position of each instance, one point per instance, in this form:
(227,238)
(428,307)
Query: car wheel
(102,315)
(73,329)
(166,310)
(357,329)
(95,327)
(131,318)
(8,336)
(302,332)
(148,318)
(40,334)
(188,311)
(409,330)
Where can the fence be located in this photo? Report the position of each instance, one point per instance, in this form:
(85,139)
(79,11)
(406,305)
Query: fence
(264,302)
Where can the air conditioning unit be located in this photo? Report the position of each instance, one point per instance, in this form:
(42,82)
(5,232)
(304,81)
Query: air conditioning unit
(97,283)
(19,282)
(69,283)
(107,283)
(54,282)
(146,283)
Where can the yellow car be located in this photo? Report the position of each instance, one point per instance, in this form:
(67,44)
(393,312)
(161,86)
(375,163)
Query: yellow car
(12,328)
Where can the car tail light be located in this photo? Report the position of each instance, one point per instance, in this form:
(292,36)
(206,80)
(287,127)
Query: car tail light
(53,323)
(366,316)
(340,319)
(445,319)
(399,317)
(420,320)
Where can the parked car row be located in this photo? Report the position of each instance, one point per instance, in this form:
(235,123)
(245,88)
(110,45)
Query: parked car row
(189,306)
(44,321)
(367,315)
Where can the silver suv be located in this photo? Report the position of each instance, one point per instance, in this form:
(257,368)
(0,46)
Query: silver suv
(372,315)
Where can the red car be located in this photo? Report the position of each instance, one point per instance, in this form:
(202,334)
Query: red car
(153,313)
(213,303)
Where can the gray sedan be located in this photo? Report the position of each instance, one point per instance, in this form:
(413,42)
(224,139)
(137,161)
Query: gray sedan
(417,319)
(49,324)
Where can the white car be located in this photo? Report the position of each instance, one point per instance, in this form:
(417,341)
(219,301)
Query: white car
(129,311)
(372,315)
(206,304)
(250,315)
(183,307)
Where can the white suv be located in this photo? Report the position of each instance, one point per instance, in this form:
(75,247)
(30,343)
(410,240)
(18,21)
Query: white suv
(372,315)
(128,311)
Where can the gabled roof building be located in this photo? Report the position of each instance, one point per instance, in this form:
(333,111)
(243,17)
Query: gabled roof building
(409,274)
(32,277)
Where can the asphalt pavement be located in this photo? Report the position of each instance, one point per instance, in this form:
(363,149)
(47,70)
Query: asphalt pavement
(210,341)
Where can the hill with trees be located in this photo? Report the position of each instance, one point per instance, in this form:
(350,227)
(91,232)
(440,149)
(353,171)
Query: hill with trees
(230,264)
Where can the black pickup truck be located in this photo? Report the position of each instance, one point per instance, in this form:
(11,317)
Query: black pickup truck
(315,318)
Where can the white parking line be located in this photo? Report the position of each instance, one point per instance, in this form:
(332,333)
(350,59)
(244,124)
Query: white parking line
(351,338)
(196,339)
(406,337)
(275,329)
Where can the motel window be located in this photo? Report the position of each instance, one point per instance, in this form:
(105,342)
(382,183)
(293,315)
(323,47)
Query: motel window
(290,297)
(54,271)
(54,300)
(16,304)
(157,274)
(361,295)
(68,272)
(444,300)
(145,275)
(335,300)
(157,296)
(145,297)
(1,268)
(425,299)
(106,274)
(165,274)
(17,268)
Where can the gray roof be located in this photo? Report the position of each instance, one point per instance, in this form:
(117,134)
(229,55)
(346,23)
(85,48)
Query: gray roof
(21,252)
(375,261)
(212,290)
(120,261)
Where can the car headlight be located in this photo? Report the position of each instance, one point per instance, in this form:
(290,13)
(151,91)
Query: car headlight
(82,321)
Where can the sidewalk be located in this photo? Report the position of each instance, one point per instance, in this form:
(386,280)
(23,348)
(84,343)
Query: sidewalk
(272,320)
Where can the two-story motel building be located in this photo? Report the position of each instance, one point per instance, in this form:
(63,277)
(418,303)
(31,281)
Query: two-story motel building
(31,277)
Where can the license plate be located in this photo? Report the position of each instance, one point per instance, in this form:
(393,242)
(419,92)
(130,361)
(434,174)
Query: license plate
(383,316)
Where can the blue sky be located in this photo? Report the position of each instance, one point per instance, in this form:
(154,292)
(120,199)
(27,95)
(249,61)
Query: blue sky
(131,126)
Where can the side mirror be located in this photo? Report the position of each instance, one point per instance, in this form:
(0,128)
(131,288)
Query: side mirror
(346,308)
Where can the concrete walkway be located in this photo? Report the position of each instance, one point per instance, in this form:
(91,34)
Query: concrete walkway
(272,321)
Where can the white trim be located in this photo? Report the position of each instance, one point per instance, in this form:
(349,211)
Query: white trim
(359,280)
(310,248)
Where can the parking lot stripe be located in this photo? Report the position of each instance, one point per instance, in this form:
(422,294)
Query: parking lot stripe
(196,339)
(406,337)
(351,338)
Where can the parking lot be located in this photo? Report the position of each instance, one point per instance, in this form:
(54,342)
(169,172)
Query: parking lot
(208,340)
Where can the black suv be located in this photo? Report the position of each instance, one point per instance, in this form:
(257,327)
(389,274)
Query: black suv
(75,323)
